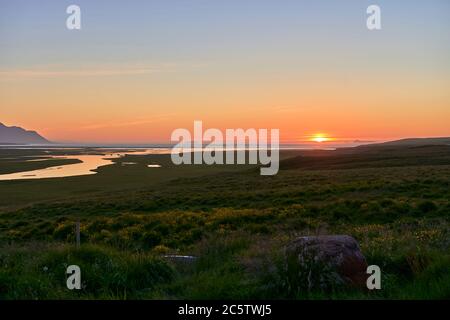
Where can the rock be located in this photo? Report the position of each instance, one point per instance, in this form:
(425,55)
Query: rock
(325,262)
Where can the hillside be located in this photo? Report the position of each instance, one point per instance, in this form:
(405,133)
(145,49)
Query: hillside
(407,152)
(416,142)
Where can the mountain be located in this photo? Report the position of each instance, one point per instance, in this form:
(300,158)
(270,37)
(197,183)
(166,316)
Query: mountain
(17,135)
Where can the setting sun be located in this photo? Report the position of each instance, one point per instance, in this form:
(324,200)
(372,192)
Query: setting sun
(319,137)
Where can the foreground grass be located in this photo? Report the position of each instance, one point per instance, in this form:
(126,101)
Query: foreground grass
(236,222)
(228,267)
(38,271)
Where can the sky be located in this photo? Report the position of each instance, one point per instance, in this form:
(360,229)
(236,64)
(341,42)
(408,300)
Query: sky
(137,70)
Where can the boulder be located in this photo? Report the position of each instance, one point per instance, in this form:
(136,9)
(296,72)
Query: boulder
(325,262)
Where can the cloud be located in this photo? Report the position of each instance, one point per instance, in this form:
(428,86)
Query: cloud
(75,73)
(105,71)
(126,124)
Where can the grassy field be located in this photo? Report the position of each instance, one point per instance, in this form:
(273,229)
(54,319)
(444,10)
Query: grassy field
(394,200)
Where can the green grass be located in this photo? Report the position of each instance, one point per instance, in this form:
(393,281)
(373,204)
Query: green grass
(38,271)
(395,203)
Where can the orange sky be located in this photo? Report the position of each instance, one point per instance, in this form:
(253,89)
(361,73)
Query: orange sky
(146,108)
(303,68)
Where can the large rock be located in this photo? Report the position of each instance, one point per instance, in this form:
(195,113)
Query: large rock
(325,262)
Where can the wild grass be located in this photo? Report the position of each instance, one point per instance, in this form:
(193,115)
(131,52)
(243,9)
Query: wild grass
(236,222)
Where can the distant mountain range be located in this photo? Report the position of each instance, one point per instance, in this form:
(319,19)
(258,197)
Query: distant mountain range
(17,135)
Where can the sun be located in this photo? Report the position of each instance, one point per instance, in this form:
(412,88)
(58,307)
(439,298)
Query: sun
(320,137)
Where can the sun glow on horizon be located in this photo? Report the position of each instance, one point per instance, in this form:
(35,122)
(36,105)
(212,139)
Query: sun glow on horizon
(319,137)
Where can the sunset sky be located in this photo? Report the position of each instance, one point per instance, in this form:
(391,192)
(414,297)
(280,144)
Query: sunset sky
(137,70)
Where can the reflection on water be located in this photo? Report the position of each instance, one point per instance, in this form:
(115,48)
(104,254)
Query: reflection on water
(86,167)
(91,162)
(128,163)
(88,164)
